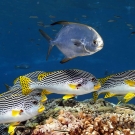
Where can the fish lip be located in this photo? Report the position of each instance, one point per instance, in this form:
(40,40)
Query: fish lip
(97,86)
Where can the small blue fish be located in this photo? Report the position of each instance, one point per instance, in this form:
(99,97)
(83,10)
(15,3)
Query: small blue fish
(75,40)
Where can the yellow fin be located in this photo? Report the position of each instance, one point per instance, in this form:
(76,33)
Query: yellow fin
(130,83)
(129,96)
(95,96)
(43,99)
(12,127)
(16,112)
(45,92)
(108,94)
(72,86)
(97,86)
(15,80)
(41,108)
(68,96)
(24,81)
(103,80)
(43,75)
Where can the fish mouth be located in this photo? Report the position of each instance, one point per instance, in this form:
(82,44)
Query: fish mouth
(97,86)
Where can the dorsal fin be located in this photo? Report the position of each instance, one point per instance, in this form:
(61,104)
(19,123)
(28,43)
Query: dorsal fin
(61,22)
(103,80)
(43,75)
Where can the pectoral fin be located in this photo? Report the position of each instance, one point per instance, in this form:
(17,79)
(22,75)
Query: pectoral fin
(130,83)
(43,99)
(25,81)
(97,86)
(76,42)
(73,86)
(128,97)
(68,96)
(108,95)
(16,112)
(41,108)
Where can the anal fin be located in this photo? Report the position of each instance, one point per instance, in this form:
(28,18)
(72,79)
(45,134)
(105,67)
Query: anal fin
(68,96)
(108,95)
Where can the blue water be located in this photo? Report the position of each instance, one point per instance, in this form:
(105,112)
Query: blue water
(21,43)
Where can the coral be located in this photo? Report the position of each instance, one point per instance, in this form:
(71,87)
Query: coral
(65,123)
(87,124)
(71,117)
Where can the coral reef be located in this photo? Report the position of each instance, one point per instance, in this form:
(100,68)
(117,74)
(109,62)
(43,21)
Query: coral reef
(71,117)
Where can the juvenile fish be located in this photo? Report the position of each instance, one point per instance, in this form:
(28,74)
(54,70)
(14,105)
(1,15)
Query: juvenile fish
(75,40)
(71,82)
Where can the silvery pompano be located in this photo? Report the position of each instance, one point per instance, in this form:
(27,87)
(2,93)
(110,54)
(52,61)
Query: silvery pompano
(120,84)
(74,40)
(71,82)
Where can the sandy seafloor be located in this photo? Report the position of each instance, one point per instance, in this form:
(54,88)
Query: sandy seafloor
(72,117)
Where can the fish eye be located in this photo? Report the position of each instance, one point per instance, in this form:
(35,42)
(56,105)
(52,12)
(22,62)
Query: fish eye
(35,102)
(94,42)
(93,79)
(38,94)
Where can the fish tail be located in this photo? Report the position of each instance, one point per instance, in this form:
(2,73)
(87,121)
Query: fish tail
(25,84)
(49,40)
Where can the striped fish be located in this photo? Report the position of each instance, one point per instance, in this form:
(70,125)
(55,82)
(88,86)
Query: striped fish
(118,84)
(71,82)
(4,129)
(35,76)
(15,107)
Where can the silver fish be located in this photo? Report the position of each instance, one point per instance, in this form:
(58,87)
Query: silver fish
(75,40)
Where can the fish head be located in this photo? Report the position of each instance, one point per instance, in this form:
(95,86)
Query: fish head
(91,84)
(93,43)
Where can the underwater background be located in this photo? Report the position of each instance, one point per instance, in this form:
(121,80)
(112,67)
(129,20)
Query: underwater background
(23,49)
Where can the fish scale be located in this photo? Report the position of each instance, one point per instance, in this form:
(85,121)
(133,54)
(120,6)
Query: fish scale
(70,82)
(64,76)
(14,99)
(74,40)
(33,76)
(119,79)
(121,85)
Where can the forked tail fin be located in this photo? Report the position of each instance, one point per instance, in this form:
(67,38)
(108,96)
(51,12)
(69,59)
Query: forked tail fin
(49,40)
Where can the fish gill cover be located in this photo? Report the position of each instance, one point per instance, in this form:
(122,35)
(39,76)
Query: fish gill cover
(23,49)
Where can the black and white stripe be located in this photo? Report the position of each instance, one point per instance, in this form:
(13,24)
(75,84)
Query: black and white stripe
(119,78)
(63,76)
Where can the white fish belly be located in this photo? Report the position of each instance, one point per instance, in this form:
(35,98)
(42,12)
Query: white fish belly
(65,89)
(119,89)
(8,118)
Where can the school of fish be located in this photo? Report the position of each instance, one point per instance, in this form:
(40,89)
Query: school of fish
(25,98)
